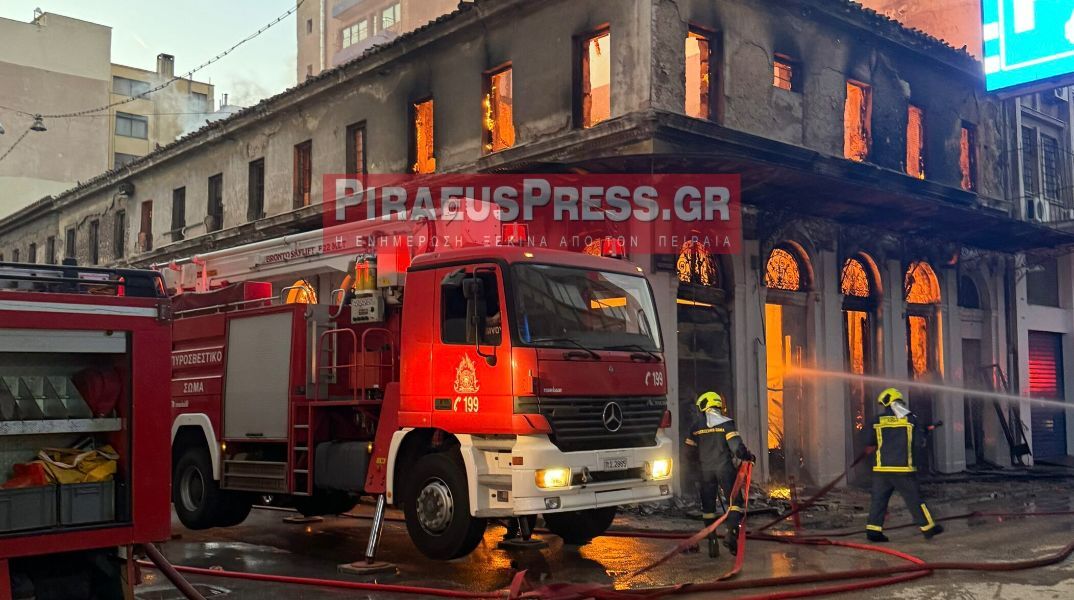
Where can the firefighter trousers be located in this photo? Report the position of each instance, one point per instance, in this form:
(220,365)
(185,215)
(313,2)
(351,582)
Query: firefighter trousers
(721,481)
(884,484)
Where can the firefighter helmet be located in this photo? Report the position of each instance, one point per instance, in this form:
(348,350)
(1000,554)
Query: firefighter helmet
(710,400)
(888,396)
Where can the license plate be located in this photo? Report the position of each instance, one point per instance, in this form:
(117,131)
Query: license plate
(615,464)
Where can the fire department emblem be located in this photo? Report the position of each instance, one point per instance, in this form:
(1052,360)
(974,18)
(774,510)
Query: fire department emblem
(466,377)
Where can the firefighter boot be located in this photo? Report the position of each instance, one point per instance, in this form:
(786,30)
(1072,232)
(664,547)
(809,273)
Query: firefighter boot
(935,531)
(714,546)
(731,541)
(876,536)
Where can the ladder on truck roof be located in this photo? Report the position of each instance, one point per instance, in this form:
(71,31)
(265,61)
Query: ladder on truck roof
(73,279)
(357,372)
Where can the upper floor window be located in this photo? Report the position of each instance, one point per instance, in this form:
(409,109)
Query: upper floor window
(129,125)
(857,121)
(786,73)
(596,79)
(355,33)
(129,87)
(698,75)
(423,148)
(1049,152)
(32,253)
(95,241)
(121,159)
(50,250)
(255,202)
(915,142)
(499,110)
(303,174)
(69,248)
(214,218)
(967,157)
(119,234)
(309,26)
(391,16)
(178,213)
(15,255)
(201,101)
(145,232)
(356,157)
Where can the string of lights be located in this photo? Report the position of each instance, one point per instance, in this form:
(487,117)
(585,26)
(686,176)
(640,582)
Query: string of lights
(20,138)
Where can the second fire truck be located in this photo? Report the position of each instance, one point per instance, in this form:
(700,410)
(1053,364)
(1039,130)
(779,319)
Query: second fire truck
(487,382)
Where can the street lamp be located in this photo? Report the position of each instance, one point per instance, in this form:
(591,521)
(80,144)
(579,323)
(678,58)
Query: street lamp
(2,131)
(39,124)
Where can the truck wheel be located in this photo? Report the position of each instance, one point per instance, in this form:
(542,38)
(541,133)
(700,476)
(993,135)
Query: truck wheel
(195,493)
(579,527)
(234,509)
(437,509)
(325,502)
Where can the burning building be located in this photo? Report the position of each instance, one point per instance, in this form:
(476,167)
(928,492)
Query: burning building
(881,237)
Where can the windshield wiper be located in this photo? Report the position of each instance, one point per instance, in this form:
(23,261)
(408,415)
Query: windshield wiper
(637,347)
(574,342)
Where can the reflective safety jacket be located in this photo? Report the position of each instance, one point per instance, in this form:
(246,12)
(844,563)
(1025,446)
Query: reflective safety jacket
(717,440)
(893,437)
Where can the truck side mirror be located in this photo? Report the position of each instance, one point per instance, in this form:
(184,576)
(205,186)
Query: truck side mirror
(473,289)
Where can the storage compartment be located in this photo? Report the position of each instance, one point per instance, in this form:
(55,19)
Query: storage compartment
(82,503)
(27,508)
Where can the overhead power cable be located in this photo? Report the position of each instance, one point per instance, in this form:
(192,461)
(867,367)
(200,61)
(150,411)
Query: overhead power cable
(9,150)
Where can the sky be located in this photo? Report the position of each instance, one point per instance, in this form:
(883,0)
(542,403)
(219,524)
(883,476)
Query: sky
(193,31)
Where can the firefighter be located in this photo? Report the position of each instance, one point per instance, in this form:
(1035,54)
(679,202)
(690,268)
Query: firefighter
(892,439)
(718,443)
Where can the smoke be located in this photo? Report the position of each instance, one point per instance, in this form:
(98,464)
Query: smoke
(243,91)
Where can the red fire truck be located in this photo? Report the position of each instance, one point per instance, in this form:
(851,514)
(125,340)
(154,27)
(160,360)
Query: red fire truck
(83,428)
(463,385)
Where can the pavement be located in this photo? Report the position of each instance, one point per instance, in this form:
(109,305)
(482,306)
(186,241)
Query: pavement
(266,544)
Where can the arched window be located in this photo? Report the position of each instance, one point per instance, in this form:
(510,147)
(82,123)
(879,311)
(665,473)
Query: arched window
(301,292)
(696,265)
(921,285)
(783,271)
(968,295)
(855,280)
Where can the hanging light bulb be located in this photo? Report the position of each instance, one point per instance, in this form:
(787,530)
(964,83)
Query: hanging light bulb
(39,124)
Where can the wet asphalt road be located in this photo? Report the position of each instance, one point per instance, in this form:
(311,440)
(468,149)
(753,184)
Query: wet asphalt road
(265,544)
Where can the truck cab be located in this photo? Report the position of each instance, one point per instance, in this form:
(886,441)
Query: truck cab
(466,384)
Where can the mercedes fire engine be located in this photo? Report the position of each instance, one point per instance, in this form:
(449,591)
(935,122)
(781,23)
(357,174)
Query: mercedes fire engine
(83,428)
(465,384)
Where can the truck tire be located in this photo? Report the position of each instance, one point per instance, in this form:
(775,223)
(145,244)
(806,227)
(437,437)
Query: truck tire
(437,508)
(579,527)
(195,493)
(234,508)
(325,502)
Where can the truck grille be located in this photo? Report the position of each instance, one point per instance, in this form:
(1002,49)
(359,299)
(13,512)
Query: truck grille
(578,423)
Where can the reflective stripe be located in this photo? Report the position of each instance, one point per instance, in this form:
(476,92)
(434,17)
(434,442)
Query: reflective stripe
(708,515)
(733,509)
(928,518)
(709,430)
(893,469)
(874,528)
(733,434)
(690,442)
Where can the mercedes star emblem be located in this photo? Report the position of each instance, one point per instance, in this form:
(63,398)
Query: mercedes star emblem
(613,417)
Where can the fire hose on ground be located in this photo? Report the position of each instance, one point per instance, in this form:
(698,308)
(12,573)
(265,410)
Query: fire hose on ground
(841,581)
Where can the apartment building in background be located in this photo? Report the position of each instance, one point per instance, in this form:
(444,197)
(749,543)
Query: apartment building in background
(143,124)
(55,65)
(332,32)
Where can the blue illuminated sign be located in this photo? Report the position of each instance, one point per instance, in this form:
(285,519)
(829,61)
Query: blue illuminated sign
(1026,41)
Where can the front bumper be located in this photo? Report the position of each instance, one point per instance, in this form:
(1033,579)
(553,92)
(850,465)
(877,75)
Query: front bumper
(506,481)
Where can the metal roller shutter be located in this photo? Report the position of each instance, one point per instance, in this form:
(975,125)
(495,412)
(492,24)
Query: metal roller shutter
(1046,382)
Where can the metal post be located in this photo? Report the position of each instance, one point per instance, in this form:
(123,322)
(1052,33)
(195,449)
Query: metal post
(375,531)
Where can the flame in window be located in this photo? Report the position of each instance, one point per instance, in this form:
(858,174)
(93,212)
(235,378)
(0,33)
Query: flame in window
(596,80)
(698,70)
(855,280)
(783,271)
(921,285)
(915,142)
(857,116)
(499,112)
(424,149)
(696,265)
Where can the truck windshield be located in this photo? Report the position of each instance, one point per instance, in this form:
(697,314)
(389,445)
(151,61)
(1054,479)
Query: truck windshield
(565,307)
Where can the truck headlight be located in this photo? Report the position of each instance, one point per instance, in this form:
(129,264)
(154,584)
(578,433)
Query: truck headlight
(659,469)
(551,479)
